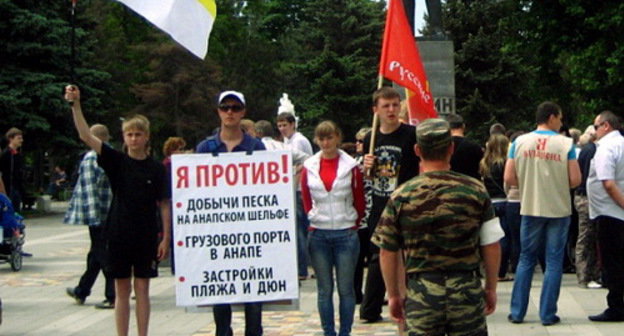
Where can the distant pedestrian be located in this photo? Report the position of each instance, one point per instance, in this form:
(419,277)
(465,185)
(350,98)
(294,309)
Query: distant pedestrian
(89,205)
(249,127)
(543,165)
(173,145)
(12,167)
(287,125)
(605,191)
(467,153)
(497,128)
(587,261)
(58,182)
(363,232)
(2,189)
(492,168)
(265,132)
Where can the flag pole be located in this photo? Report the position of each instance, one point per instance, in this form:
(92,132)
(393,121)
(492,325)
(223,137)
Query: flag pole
(72,58)
(371,146)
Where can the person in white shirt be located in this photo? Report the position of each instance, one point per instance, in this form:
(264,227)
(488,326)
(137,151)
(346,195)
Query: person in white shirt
(286,123)
(605,185)
(288,128)
(264,131)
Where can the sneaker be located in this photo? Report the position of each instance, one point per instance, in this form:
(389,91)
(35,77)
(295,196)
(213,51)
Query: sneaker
(105,305)
(372,320)
(72,293)
(594,285)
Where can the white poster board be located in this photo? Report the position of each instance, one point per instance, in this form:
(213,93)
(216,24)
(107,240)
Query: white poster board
(234,228)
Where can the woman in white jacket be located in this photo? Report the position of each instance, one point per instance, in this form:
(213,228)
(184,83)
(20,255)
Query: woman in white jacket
(333,198)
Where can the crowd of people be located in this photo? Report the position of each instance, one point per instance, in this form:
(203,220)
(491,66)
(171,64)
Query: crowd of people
(435,218)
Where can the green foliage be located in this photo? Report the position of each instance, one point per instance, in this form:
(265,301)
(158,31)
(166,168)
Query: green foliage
(36,64)
(510,56)
(492,84)
(576,49)
(177,95)
(525,52)
(332,64)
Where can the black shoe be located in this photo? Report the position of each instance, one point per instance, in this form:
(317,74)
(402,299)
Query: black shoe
(607,316)
(373,320)
(105,305)
(512,320)
(555,320)
(72,293)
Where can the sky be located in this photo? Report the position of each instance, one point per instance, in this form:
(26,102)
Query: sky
(419,21)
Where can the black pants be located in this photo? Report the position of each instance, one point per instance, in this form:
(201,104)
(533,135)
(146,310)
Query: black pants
(359,267)
(223,319)
(374,292)
(96,259)
(611,241)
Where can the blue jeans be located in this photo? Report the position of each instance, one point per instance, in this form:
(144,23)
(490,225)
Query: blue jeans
(534,233)
(505,242)
(337,249)
(253,319)
(512,221)
(302,232)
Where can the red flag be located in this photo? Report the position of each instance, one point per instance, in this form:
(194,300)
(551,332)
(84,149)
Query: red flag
(416,114)
(400,62)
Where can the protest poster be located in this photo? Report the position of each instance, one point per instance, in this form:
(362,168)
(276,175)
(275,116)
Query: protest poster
(234,228)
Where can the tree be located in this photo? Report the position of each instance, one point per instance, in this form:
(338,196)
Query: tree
(332,64)
(492,83)
(35,39)
(178,96)
(576,47)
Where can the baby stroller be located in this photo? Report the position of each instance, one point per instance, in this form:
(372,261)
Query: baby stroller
(12,234)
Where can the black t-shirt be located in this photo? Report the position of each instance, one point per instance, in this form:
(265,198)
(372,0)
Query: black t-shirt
(396,163)
(137,186)
(495,182)
(466,157)
(11,167)
(584,159)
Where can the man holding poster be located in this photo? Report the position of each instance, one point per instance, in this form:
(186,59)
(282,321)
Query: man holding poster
(231,138)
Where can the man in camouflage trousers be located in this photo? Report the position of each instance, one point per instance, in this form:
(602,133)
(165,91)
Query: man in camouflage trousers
(587,263)
(445,224)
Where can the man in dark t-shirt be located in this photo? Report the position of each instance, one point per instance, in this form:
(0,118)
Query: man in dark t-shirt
(140,188)
(467,154)
(393,162)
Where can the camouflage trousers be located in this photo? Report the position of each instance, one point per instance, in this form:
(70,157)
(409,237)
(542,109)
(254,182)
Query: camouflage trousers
(587,265)
(445,303)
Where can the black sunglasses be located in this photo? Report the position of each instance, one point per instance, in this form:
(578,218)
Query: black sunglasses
(234,108)
(597,126)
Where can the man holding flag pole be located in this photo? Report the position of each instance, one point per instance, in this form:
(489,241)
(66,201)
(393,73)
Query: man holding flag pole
(391,159)
(392,162)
